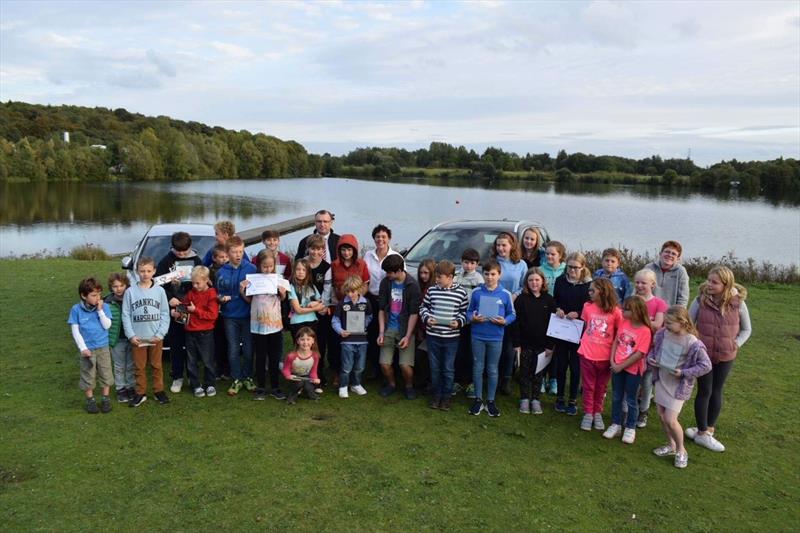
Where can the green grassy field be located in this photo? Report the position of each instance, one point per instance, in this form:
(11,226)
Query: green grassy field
(368,463)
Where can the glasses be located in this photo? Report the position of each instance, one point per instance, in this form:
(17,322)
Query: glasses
(574,267)
(670,253)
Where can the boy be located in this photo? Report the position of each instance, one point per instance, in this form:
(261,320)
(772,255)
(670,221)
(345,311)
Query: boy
(223,230)
(611,271)
(201,303)
(236,315)
(145,319)
(354,343)
(672,280)
(89,321)
(180,256)
(321,277)
(443,310)
(399,297)
(121,353)
(469,278)
(223,370)
(272,241)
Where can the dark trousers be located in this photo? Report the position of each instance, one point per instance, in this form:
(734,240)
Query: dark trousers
(334,352)
(221,349)
(566,356)
(200,349)
(708,402)
(373,350)
(507,357)
(176,340)
(464,357)
(324,332)
(530,383)
(296,386)
(269,350)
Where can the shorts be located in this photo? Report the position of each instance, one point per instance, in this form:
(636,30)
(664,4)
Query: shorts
(96,366)
(390,339)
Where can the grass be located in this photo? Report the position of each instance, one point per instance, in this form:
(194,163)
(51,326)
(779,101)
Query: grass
(368,463)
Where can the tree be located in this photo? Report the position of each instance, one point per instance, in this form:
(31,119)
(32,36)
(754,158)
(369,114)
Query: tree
(250,161)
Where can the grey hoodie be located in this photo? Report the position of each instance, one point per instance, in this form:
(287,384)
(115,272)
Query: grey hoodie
(145,312)
(672,286)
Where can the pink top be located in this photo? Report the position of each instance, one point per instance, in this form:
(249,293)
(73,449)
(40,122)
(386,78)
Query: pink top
(654,306)
(305,367)
(631,339)
(599,333)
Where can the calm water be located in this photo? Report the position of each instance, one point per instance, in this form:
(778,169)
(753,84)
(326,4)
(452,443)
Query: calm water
(53,217)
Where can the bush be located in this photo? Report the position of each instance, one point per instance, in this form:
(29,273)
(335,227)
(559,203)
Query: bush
(89,252)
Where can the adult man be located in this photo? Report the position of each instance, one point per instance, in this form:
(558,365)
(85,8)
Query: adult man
(323,219)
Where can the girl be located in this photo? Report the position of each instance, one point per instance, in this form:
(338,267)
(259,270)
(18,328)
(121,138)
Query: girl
(644,283)
(425,277)
(724,325)
(529,330)
(530,248)
(571,293)
(303,297)
(627,366)
(677,358)
(601,317)
(506,252)
(266,325)
(300,366)
(554,265)
(425,274)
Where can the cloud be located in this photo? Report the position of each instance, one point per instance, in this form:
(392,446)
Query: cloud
(163,65)
(233,51)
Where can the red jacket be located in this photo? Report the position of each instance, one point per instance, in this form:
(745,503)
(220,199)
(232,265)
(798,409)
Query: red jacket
(206,309)
(340,272)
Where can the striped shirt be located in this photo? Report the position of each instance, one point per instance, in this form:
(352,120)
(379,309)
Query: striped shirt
(445,305)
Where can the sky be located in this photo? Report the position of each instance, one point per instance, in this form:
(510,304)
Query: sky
(716,80)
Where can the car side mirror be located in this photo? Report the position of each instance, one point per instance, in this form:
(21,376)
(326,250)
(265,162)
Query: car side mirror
(126,262)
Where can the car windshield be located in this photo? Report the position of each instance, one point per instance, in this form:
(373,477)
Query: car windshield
(158,247)
(450,244)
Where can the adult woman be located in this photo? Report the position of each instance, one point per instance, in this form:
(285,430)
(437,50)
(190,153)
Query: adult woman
(382,237)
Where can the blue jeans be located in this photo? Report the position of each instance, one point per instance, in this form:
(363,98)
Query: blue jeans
(354,357)
(442,357)
(625,384)
(485,354)
(240,343)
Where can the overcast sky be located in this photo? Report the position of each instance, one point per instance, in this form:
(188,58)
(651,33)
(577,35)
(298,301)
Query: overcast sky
(623,78)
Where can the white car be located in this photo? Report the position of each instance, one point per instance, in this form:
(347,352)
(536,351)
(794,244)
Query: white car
(158,239)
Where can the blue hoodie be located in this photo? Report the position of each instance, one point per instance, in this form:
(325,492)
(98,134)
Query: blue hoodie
(620,282)
(489,331)
(228,280)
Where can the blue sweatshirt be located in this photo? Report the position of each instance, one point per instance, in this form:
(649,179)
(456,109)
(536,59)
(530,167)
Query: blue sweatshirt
(489,331)
(512,275)
(619,280)
(228,280)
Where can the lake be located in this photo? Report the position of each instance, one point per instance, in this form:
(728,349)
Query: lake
(54,217)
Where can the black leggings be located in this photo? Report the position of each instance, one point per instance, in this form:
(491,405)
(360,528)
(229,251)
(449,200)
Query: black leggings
(566,356)
(708,402)
(269,348)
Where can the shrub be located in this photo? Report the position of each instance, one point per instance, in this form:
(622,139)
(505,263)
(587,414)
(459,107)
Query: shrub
(89,252)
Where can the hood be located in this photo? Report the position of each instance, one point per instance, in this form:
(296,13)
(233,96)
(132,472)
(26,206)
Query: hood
(192,253)
(350,240)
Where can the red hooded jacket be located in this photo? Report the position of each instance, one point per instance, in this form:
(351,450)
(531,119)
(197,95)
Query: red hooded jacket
(340,272)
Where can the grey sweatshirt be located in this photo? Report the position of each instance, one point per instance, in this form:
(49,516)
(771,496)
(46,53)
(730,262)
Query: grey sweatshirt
(672,286)
(145,312)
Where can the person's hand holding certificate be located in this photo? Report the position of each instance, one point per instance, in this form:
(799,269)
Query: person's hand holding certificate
(262,284)
(565,329)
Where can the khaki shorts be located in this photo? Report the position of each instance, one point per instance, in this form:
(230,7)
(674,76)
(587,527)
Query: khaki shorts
(390,339)
(97,365)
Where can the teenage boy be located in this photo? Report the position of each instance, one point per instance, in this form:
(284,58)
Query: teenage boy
(180,256)
(321,277)
(612,259)
(271,240)
(89,321)
(223,230)
(672,280)
(323,221)
(145,319)
(469,278)
(235,313)
(443,311)
(398,311)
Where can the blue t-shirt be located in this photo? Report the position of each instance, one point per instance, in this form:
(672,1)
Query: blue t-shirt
(93,333)
(396,306)
(311,294)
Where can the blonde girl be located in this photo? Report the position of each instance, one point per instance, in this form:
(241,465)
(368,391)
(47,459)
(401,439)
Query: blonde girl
(644,283)
(677,358)
(723,323)
(530,248)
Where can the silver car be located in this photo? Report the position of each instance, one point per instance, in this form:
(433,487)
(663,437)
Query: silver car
(158,240)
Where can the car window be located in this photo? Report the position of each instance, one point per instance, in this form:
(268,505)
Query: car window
(158,247)
(450,244)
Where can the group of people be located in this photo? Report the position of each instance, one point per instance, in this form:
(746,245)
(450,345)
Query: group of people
(472,328)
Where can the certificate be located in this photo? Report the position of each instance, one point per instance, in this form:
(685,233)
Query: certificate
(355,322)
(565,329)
(542,361)
(184,268)
(262,284)
(167,278)
(490,307)
(443,314)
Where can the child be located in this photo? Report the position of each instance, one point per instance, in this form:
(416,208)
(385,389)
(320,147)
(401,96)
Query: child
(145,319)
(487,335)
(611,271)
(601,317)
(630,346)
(235,312)
(533,308)
(425,274)
(443,310)
(203,308)
(672,280)
(266,326)
(398,311)
(300,366)
(571,293)
(304,298)
(554,265)
(354,343)
(677,358)
(89,322)
(530,248)
(723,323)
(223,230)
(219,256)
(321,277)
(180,256)
(272,241)
(223,367)
(469,278)
(121,353)
(644,283)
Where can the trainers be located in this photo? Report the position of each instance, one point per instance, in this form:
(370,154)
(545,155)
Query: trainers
(629,436)
(235,387)
(525,407)
(470,391)
(91,406)
(613,431)
(536,407)
(260,395)
(444,405)
(343,392)
(122,396)
(386,391)
(211,391)
(434,402)
(492,409)
(560,407)
(137,400)
(177,385)
(277,394)
(105,405)
(162,397)
(224,377)
(586,422)
(477,407)
(572,409)
(664,451)
(681,460)
(641,422)
(691,433)
(199,392)
(553,387)
(410,393)
(456,389)
(318,390)
(358,389)
(543,388)
(599,425)
(249,384)
(708,441)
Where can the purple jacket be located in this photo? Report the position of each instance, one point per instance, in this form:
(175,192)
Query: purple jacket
(697,364)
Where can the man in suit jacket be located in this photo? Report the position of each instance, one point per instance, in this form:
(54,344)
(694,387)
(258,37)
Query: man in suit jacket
(323,219)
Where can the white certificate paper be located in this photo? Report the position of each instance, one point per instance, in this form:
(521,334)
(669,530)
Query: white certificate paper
(355,322)
(262,284)
(565,329)
(489,306)
(542,361)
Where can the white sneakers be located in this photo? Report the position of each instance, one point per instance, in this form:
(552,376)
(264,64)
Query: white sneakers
(613,431)
(358,389)
(708,441)
(176,386)
(343,392)
(586,422)
(690,433)
(599,425)
(199,392)
(629,436)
